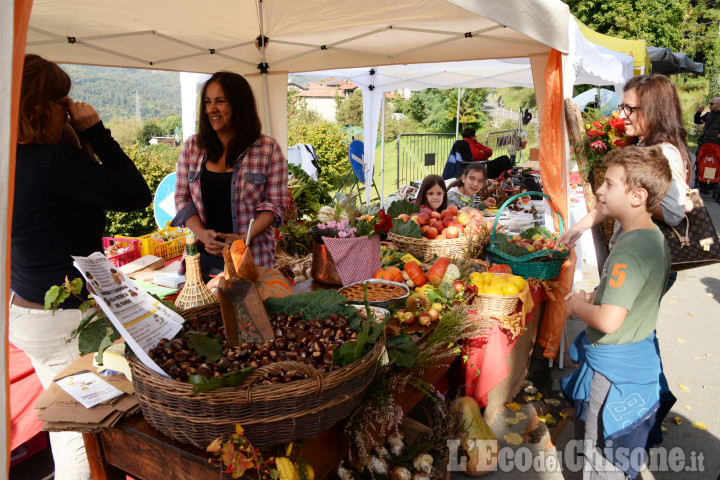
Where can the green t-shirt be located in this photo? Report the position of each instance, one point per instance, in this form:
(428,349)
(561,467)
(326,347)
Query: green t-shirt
(634,277)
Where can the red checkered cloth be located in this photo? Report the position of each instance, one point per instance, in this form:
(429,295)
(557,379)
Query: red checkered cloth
(356,259)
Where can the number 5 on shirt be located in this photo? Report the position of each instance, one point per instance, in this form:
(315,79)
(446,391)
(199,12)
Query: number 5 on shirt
(617,277)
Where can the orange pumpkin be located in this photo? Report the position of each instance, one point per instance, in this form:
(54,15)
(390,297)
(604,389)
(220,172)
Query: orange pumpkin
(272,283)
(392,274)
(416,274)
(244,264)
(500,268)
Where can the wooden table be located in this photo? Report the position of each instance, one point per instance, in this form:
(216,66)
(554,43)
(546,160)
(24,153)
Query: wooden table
(135,448)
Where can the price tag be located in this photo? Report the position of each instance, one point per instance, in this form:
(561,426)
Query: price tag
(409,258)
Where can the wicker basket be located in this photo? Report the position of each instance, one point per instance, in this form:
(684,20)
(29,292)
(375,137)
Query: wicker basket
(424,249)
(495,305)
(542,264)
(270,414)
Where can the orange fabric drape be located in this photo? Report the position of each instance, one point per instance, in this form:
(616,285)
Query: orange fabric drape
(553,171)
(20,27)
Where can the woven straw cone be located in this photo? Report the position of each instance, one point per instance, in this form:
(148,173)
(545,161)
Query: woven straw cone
(195,293)
(270,414)
(424,249)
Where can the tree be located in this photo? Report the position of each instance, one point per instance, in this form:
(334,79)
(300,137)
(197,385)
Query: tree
(150,129)
(682,25)
(170,124)
(154,162)
(436,109)
(471,107)
(350,110)
(329,145)
(125,130)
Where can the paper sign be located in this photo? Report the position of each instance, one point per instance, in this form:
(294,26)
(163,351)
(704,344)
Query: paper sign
(141,320)
(709,173)
(409,258)
(87,388)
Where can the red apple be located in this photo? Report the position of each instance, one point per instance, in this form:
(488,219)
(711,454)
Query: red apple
(408,317)
(448,221)
(424,319)
(435,215)
(550,243)
(423,219)
(461,229)
(452,232)
(530,248)
(404,217)
(434,314)
(525,242)
(453,209)
(414,218)
(516,239)
(459,286)
(431,233)
(446,213)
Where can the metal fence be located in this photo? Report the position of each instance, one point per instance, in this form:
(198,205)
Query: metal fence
(421,154)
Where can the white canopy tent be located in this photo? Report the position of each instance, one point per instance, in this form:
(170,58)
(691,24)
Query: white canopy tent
(590,64)
(183,35)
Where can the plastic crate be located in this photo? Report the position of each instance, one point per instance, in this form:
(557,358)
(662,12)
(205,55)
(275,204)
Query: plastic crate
(167,250)
(131,246)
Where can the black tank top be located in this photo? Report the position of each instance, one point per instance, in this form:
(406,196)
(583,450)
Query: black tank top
(215,188)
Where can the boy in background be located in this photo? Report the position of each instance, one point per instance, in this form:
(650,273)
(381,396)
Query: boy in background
(619,388)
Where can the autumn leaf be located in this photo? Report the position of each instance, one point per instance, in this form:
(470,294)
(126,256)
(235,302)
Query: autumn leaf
(563,415)
(677,420)
(687,407)
(530,389)
(214,446)
(512,421)
(663,429)
(513,438)
(680,340)
(690,314)
(699,425)
(553,402)
(228,453)
(683,388)
(520,416)
(241,464)
(711,295)
(239,430)
(672,302)
(548,419)
(513,406)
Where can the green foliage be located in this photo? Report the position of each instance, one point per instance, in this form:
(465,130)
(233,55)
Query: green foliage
(687,26)
(171,124)
(150,129)
(435,110)
(233,379)
(204,345)
(329,145)
(112,90)
(126,130)
(350,110)
(154,162)
(406,229)
(317,304)
(308,194)
(402,206)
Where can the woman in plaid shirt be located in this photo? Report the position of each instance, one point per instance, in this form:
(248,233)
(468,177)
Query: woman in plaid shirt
(228,174)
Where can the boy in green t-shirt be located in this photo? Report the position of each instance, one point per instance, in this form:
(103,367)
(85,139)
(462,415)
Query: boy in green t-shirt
(619,389)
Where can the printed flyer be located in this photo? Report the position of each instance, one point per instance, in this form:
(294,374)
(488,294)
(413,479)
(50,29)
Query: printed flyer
(141,319)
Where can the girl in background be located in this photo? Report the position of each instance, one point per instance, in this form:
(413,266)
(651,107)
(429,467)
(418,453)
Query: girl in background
(432,193)
(463,192)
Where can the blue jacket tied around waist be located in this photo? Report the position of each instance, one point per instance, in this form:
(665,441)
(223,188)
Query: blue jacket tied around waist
(639,397)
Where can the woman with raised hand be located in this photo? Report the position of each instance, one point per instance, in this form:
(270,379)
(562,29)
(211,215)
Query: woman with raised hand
(61,195)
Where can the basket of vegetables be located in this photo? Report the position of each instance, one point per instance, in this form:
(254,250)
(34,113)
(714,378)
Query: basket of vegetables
(530,254)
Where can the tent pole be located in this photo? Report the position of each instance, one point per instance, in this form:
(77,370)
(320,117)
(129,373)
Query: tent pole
(382,151)
(264,71)
(457,114)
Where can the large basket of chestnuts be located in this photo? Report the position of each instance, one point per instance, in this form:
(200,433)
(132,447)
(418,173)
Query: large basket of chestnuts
(294,392)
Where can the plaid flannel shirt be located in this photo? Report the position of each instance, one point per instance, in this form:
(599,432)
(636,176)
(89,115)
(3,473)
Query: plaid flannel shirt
(259,183)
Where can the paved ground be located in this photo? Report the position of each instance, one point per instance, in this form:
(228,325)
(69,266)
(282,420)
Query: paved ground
(688,330)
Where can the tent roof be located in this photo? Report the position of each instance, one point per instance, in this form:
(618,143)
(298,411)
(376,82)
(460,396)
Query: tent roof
(303,36)
(665,61)
(635,48)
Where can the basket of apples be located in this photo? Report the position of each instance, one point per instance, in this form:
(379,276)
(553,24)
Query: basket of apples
(442,234)
(530,254)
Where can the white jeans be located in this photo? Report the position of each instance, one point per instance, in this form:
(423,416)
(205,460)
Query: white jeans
(43,337)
